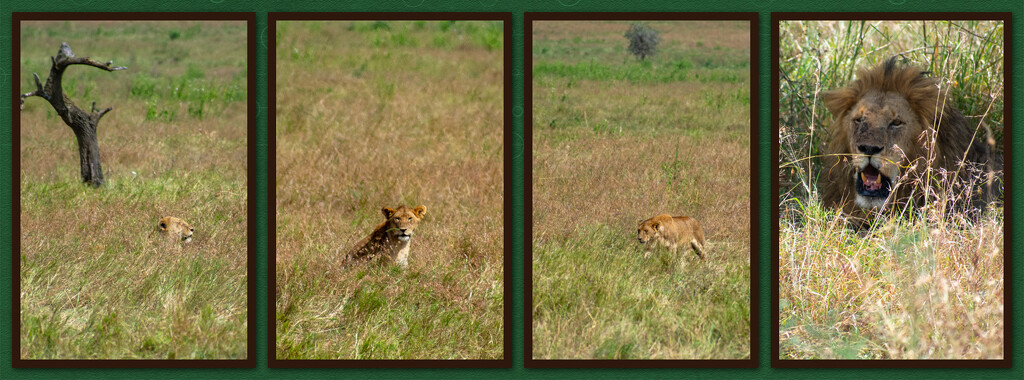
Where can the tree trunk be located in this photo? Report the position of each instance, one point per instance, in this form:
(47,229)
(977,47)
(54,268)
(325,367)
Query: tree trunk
(81,122)
(89,155)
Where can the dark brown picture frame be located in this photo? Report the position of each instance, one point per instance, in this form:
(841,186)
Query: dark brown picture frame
(1006,362)
(251,122)
(507,142)
(530,362)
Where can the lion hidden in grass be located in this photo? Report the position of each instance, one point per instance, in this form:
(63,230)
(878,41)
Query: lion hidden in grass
(671,232)
(176,229)
(391,238)
(895,131)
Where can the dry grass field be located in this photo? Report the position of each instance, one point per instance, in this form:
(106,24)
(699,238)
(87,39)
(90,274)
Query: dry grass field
(919,284)
(97,281)
(616,141)
(375,114)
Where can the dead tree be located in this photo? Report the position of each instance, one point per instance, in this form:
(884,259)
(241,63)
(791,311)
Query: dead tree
(81,122)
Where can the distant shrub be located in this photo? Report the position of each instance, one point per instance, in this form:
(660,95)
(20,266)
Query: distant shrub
(643,41)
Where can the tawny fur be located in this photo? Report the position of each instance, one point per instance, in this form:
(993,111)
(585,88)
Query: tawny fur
(391,238)
(671,232)
(892,107)
(176,228)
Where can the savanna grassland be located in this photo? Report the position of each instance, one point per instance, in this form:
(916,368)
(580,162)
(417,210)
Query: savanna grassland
(919,283)
(377,114)
(618,140)
(97,279)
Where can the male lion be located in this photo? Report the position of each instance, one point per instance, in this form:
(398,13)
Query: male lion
(390,238)
(671,231)
(176,228)
(891,126)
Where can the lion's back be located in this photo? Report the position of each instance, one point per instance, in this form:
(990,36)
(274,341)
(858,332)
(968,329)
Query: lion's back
(687,228)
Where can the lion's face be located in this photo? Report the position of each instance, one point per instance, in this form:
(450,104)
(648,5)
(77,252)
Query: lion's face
(401,222)
(176,228)
(882,128)
(648,230)
(891,121)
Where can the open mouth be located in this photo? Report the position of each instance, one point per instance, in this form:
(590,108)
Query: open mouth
(871,183)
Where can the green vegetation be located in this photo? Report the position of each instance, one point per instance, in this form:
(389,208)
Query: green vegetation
(622,141)
(97,279)
(926,285)
(374,114)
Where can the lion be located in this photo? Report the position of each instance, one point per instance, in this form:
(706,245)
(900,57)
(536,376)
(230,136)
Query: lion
(391,238)
(671,231)
(176,228)
(894,130)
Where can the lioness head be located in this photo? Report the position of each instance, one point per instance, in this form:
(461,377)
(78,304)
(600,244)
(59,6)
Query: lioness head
(401,222)
(176,228)
(891,121)
(649,229)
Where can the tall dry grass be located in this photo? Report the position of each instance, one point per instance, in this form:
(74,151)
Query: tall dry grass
(375,114)
(617,141)
(922,283)
(97,280)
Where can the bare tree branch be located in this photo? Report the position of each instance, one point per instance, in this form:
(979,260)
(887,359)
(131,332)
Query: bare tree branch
(104,112)
(38,92)
(86,61)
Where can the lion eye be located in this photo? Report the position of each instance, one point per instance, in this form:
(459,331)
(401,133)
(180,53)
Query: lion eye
(896,123)
(859,119)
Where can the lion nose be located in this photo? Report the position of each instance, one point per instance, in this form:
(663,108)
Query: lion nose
(869,149)
(403,230)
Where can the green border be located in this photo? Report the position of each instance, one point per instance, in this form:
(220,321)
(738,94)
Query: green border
(514,247)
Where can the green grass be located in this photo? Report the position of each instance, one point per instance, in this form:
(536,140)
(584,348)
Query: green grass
(619,142)
(922,283)
(98,281)
(615,304)
(374,114)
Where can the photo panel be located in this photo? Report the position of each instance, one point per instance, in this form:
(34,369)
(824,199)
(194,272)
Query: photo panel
(390,207)
(891,164)
(143,256)
(641,133)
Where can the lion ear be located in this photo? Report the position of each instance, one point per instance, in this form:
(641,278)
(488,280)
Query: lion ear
(420,210)
(656,225)
(388,211)
(839,101)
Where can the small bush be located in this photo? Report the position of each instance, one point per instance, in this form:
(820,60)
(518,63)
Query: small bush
(643,41)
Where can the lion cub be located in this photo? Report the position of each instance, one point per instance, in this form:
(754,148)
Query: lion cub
(391,238)
(671,231)
(176,228)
